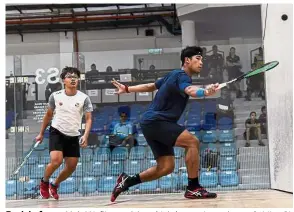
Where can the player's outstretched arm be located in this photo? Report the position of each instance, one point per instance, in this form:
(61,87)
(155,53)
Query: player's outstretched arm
(196,91)
(149,87)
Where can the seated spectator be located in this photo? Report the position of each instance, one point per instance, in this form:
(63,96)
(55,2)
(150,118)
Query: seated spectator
(92,76)
(52,87)
(252,130)
(122,133)
(224,106)
(262,120)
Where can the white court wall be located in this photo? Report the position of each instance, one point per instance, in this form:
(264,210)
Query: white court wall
(278,44)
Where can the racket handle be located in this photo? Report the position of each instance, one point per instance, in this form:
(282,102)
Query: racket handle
(222,85)
(36,144)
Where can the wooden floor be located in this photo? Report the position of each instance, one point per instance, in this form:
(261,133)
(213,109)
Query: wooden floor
(235,199)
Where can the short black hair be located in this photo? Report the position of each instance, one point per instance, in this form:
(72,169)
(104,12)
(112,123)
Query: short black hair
(252,113)
(263,108)
(71,70)
(189,52)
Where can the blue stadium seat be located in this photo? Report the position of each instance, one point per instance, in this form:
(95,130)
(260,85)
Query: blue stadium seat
(86,154)
(98,127)
(179,152)
(195,106)
(82,169)
(169,182)
(193,124)
(229,178)
(99,168)
(88,185)
(115,168)
(209,136)
(209,121)
(207,146)
(25,170)
(208,179)
(178,164)
(141,140)
(137,153)
(149,154)
(198,134)
(149,163)
(27,188)
(102,154)
(44,157)
(228,163)
(119,153)
(183,180)
(33,159)
(208,157)
(225,123)
(10,187)
(67,186)
(57,171)
(226,136)
(104,141)
(133,167)
(228,149)
(209,106)
(38,171)
(148,186)
(106,184)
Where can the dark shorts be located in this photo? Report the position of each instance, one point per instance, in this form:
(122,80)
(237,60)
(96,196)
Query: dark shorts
(161,137)
(68,145)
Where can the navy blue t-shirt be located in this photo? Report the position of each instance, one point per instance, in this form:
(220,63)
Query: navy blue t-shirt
(170,100)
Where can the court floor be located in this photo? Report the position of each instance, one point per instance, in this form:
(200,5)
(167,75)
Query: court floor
(235,199)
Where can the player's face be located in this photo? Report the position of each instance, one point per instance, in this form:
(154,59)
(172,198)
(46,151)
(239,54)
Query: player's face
(71,80)
(195,63)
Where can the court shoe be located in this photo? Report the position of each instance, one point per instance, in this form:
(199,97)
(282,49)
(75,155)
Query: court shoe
(120,186)
(199,193)
(53,191)
(44,189)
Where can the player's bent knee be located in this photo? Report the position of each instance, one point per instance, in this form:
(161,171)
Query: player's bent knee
(56,162)
(167,170)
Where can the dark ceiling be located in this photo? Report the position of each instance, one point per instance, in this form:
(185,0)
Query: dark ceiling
(76,17)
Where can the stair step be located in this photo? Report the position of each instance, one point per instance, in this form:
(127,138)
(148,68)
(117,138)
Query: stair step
(253,172)
(255,179)
(255,186)
(253,150)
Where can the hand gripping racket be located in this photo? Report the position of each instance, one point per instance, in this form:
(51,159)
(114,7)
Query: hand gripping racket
(25,159)
(266,67)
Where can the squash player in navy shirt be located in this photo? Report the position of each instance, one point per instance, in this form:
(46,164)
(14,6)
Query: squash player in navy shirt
(160,128)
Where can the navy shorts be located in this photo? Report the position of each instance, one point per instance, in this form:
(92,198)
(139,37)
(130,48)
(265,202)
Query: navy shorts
(161,137)
(68,145)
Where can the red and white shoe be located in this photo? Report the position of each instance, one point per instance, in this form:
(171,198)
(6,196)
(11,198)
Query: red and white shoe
(44,189)
(53,191)
(119,187)
(199,193)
